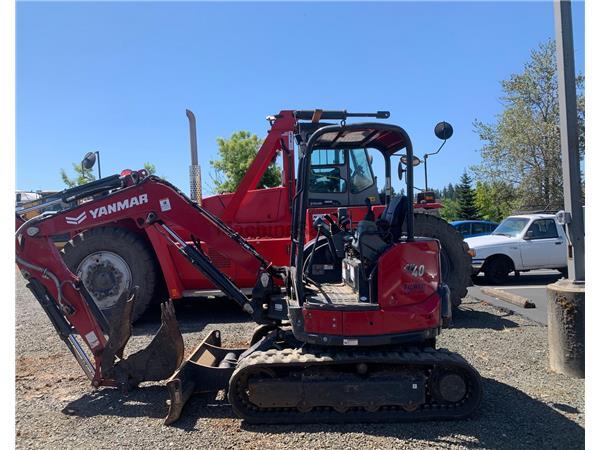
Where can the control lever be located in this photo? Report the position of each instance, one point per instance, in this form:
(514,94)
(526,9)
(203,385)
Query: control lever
(370,216)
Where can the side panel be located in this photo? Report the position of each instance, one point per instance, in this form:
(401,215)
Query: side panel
(323,322)
(393,320)
(363,323)
(408,273)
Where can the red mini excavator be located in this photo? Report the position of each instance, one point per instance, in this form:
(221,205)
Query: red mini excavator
(359,345)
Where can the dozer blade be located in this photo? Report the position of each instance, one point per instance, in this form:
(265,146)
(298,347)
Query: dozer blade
(156,362)
(208,369)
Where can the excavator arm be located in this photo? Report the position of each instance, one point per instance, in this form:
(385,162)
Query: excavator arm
(165,214)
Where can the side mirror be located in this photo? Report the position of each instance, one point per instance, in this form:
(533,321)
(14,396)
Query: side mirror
(400,170)
(528,235)
(443,131)
(88,160)
(415,162)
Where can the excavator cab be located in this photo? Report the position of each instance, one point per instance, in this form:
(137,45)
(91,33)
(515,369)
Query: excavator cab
(370,333)
(375,301)
(362,348)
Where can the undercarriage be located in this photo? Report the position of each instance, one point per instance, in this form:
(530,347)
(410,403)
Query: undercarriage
(294,383)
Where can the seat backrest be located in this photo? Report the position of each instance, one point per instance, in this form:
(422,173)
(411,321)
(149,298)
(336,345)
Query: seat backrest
(394,214)
(368,242)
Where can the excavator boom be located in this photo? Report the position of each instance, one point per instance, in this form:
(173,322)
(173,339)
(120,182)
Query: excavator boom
(162,211)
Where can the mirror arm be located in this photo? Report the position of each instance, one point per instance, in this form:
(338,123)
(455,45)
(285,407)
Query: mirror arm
(436,152)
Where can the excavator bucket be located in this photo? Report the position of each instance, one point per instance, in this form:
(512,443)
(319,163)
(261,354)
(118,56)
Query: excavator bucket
(208,369)
(156,362)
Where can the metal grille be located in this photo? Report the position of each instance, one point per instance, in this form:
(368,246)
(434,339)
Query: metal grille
(218,259)
(196,184)
(336,293)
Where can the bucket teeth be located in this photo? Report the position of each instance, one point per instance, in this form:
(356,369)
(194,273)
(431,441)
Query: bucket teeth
(156,362)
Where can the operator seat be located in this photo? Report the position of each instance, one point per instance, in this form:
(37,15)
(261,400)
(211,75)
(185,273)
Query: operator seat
(393,216)
(371,237)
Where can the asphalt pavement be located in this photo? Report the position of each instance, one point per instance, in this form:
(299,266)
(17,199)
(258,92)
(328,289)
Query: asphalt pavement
(531,285)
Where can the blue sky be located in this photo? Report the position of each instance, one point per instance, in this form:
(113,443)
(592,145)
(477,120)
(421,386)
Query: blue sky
(117,77)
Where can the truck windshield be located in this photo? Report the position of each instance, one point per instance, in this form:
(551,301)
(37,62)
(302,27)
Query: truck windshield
(511,226)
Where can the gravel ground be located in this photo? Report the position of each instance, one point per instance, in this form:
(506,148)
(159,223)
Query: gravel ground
(524,405)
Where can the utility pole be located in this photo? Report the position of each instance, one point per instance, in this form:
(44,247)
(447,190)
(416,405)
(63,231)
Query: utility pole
(567,98)
(566,298)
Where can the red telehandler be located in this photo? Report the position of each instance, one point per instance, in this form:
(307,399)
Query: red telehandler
(112,257)
(357,345)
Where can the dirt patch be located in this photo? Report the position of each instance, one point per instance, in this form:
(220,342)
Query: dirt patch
(48,376)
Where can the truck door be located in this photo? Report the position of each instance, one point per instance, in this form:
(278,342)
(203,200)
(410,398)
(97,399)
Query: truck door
(544,246)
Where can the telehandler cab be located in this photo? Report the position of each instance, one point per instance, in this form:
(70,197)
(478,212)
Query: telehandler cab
(359,346)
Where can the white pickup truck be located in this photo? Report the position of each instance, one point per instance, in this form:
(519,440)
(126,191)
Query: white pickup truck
(520,243)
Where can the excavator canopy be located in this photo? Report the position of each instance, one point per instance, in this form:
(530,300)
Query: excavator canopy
(388,139)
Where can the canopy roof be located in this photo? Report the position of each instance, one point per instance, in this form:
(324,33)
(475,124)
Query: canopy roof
(386,138)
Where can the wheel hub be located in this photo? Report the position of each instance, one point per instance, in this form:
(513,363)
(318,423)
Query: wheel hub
(105,275)
(452,387)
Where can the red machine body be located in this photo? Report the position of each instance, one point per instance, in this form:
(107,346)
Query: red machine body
(385,305)
(406,302)
(262,216)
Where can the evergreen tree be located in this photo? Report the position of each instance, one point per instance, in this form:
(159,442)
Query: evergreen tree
(451,194)
(467,208)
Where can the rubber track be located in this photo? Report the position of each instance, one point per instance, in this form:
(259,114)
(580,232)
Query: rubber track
(298,359)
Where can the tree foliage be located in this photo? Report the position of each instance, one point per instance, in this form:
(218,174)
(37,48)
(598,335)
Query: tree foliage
(467,209)
(235,156)
(82,176)
(495,200)
(447,196)
(150,168)
(522,148)
(450,210)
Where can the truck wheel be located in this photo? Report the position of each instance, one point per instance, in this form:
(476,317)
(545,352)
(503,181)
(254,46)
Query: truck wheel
(496,270)
(455,261)
(109,260)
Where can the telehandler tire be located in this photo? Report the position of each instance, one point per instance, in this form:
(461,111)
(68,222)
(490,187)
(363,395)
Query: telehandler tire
(456,262)
(109,260)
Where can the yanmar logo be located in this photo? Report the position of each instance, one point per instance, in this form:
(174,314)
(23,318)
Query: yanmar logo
(109,209)
(76,220)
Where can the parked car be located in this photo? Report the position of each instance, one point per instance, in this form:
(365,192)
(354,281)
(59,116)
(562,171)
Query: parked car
(471,228)
(520,243)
